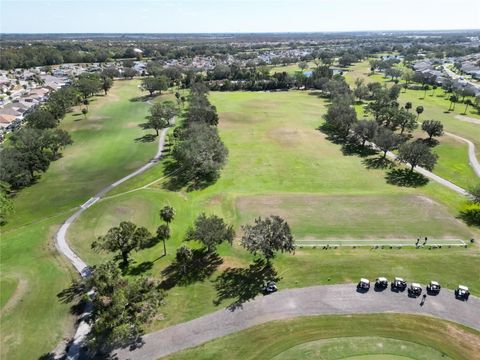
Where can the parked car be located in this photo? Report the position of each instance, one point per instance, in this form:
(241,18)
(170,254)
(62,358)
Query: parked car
(462,292)
(363,284)
(270,288)
(381,283)
(399,284)
(434,287)
(415,289)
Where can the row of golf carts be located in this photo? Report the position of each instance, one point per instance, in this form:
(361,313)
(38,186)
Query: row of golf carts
(399,284)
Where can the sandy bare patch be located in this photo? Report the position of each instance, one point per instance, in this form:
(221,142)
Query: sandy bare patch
(469,340)
(16,297)
(286,136)
(467,119)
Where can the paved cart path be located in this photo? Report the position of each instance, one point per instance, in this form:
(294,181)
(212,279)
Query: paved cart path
(79,264)
(310,301)
(472,158)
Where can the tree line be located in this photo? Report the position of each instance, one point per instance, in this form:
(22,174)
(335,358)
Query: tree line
(389,130)
(46,55)
(28,151)
(198,152)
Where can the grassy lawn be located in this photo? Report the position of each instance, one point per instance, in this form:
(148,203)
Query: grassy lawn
(7,288)
(382,336)
(373,347)
(278,163)
(453,158)
(104,150)
(454,164)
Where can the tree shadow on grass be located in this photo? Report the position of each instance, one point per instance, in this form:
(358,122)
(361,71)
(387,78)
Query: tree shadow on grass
(431,142)
(243,284)
(405,178)
(146,138)
(378,162)
(138,269)
(331,135)
(319,94)
(143,98)
(352,148)
(198,267)
(178,179)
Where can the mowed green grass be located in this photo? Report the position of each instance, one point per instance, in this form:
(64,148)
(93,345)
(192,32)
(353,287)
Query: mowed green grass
(104,150)
(279,164)
(361,348)
(453,162)
(7,288)
(339,337)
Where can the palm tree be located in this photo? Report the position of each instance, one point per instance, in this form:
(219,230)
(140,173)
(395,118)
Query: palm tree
(434,87)
(468,102)
(167,213)
(453,100)
(408,106)
(425,88)
(163,234)
(419,110)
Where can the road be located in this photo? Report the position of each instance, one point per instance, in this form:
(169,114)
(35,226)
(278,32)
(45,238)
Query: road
(472,158)
(456,76)
(310,301)
(63,247)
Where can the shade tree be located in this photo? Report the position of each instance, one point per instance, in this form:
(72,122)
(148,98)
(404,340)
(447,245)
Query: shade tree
(386,140)
(160,116)
(267,236)
(123,239)
(340,116)
(432,128)
(41,119)
(152,84)
(365,130)
(121,307)
(417,153)
(210,231)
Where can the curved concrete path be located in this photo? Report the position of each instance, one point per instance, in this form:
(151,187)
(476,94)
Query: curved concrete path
(310,301)
(472,158)
(428,174)
(63,247)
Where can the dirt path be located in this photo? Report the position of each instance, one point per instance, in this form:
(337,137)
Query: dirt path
(17,295)
(316,300)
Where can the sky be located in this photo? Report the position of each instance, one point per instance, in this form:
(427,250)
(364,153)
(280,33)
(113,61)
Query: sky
(205,16)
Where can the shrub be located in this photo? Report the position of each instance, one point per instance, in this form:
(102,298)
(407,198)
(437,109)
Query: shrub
(471,214)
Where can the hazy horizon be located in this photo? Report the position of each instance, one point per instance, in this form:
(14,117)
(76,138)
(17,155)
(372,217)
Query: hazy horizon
(237,16)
